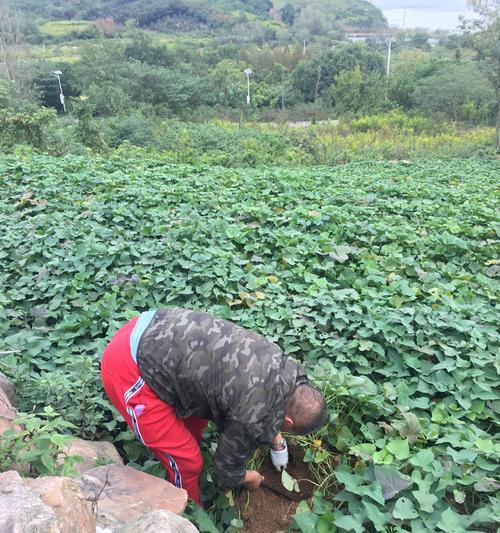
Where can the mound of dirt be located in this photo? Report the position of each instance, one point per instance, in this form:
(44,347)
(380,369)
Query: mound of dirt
(269,509)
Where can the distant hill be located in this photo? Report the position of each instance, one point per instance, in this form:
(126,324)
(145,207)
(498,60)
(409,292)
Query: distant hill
(192,14)
(146,12)
(339,14)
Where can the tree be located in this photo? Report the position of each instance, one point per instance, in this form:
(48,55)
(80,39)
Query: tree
(354,92)
(410,68)
(288,14)
(420,40)
(458,91)
(312,77)
(484,38)
(11,39)
(229,83)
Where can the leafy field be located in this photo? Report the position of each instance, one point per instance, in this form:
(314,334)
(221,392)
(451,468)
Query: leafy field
(381,277)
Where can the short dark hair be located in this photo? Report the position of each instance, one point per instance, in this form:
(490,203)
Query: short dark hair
(306,406)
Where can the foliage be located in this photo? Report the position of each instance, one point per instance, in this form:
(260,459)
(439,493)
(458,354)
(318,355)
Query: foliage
(38,446)
(314,76)
(219,512)
(483,35)
(381,277)
(456,92)
(28,124)
(355,93)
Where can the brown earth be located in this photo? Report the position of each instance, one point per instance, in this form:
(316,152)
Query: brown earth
(269,509)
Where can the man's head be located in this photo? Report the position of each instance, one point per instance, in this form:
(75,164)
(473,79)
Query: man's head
(305,410)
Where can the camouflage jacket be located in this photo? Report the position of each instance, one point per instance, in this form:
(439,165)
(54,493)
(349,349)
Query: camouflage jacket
(210,368)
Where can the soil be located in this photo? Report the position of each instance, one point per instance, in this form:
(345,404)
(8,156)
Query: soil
(269,509)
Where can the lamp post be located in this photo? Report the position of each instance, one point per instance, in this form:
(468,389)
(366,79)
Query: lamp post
(57,74)
(247,73)
(389,50)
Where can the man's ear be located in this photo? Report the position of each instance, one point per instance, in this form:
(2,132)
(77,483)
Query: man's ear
(289,421)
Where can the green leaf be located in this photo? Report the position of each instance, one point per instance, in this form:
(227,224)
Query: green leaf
(391,481)
(348,523)
(306,522)
(363,450)
(404,509)
(485,445)
(320,505)
(302,507)
(60,440)
(399,448)
(203,521)
(325,523)
(365,345)
(382,457)
(423,458)
(48,462)
(412,427)
(425,500)
(487,484)
(451,522)
(289,482)
(377,517)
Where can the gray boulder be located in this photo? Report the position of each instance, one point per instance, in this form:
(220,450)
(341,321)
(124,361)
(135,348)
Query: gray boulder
(157,521)
(21,509)
(122,494)
(92,453)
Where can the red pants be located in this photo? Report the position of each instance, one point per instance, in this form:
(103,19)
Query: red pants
(172,440)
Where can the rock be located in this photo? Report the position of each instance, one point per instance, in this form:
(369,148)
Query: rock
(7,412)
(22,510)
(5,425)
(157,521)
(124,494)
(93,453)
(8,387)
(64,497)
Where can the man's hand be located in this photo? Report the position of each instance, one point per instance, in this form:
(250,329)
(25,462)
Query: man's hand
(253,479)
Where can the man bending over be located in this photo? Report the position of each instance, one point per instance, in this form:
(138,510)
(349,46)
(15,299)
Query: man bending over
(170,371)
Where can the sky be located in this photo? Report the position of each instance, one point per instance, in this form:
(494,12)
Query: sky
(428,14)
(440,5)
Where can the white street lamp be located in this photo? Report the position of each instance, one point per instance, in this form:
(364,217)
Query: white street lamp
(57,74)
(389,50)
(247,73)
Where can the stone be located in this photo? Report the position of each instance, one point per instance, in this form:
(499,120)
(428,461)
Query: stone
(7,413)
(93,453)
(21,509)
(157,521)
(64,496)
(8,387)
(5,425)
(123,494)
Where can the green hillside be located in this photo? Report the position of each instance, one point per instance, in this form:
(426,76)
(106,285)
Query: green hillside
(191,14)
